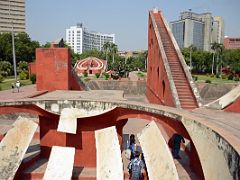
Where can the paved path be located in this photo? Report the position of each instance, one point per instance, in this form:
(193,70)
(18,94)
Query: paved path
(25,92)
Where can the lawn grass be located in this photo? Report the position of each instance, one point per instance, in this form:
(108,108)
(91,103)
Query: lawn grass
(7,83)
(213,79)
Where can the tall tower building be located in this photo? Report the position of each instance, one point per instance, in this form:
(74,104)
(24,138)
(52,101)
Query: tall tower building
(218,29)
(199,30)
(12,14)
(80,39)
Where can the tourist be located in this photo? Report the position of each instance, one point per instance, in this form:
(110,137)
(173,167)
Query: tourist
(135,167)
(132,146)
(18,85)
(13,87)
(177,140)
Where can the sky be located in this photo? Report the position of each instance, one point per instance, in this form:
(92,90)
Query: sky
(47,20)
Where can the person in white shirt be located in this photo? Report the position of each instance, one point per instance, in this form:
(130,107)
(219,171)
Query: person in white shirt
(18,85)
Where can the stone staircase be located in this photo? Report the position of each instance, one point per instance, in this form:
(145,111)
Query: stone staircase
(185,94)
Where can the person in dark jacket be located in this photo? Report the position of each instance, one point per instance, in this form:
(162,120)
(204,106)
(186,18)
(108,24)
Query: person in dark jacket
(177,140)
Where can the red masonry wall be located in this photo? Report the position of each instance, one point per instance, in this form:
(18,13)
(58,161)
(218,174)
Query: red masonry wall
(234,107)
(158,87)
(53,70)
(32,68)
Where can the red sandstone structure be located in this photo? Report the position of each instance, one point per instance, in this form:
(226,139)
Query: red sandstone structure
(91,65)
(213,143)
(169,81)
(231,43)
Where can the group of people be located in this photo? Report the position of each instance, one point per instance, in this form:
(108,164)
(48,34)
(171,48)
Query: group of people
(137,164)
(17,85)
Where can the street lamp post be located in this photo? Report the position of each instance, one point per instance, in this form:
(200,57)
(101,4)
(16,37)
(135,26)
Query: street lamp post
(13,46)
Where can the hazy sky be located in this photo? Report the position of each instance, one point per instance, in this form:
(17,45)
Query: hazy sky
(47,20)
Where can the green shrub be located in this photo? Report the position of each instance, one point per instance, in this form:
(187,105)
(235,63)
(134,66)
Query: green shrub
(33,78)
(236,78)
(208,81)
(217,75)
(85,73)
(23,75)
(195,78)
(230,77)
(212,75)
(106,76)
(87,79)
(5,68)
(115,77)
(22,66)
(224,76)
(97,75)
(1,78)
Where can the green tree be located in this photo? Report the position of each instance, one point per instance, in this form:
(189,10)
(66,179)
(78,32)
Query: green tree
(5,68)
(113,51)
(24,46)
(106,49)
(5,47)
(217,51)
(22,66)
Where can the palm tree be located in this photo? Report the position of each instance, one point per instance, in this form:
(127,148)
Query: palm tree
(214,47)
(219,50)
(113,50)
(106,49)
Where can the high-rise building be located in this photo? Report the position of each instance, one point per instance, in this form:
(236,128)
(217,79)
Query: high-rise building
(199,30)
(80,39)
(12,15)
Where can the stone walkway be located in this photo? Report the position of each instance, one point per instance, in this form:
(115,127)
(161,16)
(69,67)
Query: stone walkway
(25,92)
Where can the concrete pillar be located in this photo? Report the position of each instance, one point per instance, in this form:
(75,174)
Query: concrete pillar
(14,145)
(60,164)
(109,160)
(158,158)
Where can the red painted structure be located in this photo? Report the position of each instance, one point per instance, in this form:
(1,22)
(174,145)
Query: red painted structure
(92,65)
(162,54)
(84,140)
(31,68)
(54,70)
(158,86)
(234,107)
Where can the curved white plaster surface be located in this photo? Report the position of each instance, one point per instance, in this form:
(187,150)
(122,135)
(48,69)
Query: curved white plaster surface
(68,118)
(225,100)
(210,153)
(14,145)
(158,158)
(60,164)
(109,160)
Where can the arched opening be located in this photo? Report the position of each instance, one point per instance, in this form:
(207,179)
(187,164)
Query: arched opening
(163,88)
(189,158)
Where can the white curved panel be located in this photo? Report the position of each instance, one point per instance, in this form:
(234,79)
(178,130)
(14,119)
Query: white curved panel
(158,158)
(109,160)
(14,145)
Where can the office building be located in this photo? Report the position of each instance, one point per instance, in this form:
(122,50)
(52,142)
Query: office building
(231,42)
(199,30)
(12,14)
(80,39)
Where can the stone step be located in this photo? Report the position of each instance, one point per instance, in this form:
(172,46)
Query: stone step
(37,170)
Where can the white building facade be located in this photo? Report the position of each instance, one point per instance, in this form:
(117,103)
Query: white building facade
(80,39)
